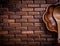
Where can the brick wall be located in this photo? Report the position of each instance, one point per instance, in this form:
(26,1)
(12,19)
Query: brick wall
(21,23)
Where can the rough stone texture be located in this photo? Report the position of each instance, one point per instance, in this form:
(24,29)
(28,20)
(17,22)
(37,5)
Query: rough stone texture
(21,23)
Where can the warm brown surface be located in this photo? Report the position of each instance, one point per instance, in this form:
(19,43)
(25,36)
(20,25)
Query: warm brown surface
(21,23)
(56,15)
(49,20)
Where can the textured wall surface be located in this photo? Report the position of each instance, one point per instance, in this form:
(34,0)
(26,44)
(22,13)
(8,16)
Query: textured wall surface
(21,23)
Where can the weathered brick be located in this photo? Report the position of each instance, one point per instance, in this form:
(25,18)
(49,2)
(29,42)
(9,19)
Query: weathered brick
(45,5)
(34,28)
(25,17)
(49,36)
(9,13)
(8,28)
(51,1)
(3,16)
(14,9)
(34,43)
(14,32)
(37,24)
(3,24)
(33,13)
(15,1)
(0,28)
(33,5)
(39,32)
(18,5)
(9,36)
(5,39)
(21,28)
(21,20)
(21,43)
(1,20)
(27,32)
(21,36)
(34,36)
(3,32)
(21,13)
(27,1)
(15,24)
(33,20)
(27,9)
(27,24)
(3,9)
(37,16)
(6,36)
(40,39)
(9,43)
(8,20)
(28,39)
(15,39)
(40,1)
(50,39)
(15,17)
(39,9)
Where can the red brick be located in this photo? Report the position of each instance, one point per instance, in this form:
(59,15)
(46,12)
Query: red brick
(3,24)
(33,13)
(8,20)
(21,13)
(39,9)
(40,39)
(28,39)
(33,36)
(27,32)
(33,5)
(15,1)
(3,9)
(34,43)
(9,13)
(0,28)
(9,36)
(9,43)
(27,9)
(27,24)
(21,43)
(3,32)
(37,16)
(39,32)
(21,20)
(14,32)
(40,1)
(37,24)
(50,39)
(34,28)
(21,36)
(15,39)
(15,17)
(49,36)
(4,16)
(15,24)
(51,1)
(27,1)
(5,39)
(25,17)
(45,5)
(8,28)
(18,5)
(33,20)
(21,28)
